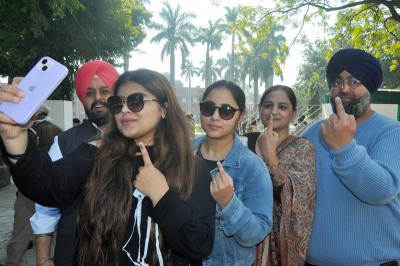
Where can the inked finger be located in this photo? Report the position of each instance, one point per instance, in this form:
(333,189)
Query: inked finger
(224,176)
(339,108)
(220,168)
(145,155)
(270,123)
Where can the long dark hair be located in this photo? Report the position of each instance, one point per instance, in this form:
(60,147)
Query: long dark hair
(107,196)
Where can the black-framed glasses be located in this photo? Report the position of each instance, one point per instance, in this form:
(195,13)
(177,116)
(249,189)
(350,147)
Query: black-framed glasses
(352,83)
(225,111)
(135,103)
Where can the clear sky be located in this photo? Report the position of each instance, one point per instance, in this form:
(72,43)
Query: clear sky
(150,53)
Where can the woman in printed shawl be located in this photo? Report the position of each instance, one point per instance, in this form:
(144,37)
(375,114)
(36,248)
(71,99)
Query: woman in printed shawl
(291,164)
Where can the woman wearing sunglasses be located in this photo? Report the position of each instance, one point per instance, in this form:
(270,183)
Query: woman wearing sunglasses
(291,164)
(241,184)
(145,197)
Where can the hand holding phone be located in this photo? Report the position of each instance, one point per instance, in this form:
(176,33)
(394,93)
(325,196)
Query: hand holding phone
(11,92)
(38,85)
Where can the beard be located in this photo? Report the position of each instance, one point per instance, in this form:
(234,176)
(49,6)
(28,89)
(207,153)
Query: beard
(357,107)
(100,118)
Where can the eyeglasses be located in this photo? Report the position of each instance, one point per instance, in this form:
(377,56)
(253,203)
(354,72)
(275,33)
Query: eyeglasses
(226,111)
(352,83)
(135,103)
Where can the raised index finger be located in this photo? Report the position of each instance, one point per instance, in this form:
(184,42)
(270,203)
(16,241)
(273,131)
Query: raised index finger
(270,123)
(145,155)
(340,112)
(222,172)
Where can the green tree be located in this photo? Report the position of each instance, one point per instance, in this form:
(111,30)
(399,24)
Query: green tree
(188,71)
(293,6)
(212,36)
(213,70)
(178,83)
(311,83)
(259,68)
(232,28)
(365,24)
(231,70)
(359,27)
(365,29)
(177,31)
(263,49)
(68,31)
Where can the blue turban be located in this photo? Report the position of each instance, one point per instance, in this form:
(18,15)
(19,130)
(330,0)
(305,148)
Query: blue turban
(360,64)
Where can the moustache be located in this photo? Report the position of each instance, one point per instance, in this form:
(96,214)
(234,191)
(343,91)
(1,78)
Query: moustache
(346,96)
(98,104)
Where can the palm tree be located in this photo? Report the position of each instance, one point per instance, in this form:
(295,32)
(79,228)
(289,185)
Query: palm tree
(263,57)
(213,70)
(188,71)
(258,66)
(243,70)
(212,37)
(223,64)
(232,69)
(232,28)
(177,31)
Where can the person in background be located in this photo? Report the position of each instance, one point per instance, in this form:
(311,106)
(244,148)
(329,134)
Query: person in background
(76,121)
(145,196)
(24,208)
(94,83)
(300,125)
(241,184)
(291,164)
(358,170)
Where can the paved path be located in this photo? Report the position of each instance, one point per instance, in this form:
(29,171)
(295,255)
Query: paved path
(7,198)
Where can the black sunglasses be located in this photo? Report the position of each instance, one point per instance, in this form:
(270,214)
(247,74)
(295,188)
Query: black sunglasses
(226,111)
(135,103)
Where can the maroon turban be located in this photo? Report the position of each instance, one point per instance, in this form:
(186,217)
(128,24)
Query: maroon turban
(105,71)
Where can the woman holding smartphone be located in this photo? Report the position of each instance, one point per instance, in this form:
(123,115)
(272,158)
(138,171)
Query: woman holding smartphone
(145,197)
(241,184)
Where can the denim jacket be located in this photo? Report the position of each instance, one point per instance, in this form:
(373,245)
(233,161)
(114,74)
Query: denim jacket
(247,218)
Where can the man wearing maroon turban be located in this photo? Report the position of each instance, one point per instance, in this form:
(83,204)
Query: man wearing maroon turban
(94,83)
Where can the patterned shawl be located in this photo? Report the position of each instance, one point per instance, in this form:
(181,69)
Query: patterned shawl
(294,203)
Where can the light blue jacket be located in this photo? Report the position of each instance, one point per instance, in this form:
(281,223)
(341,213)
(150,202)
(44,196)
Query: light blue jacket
(247,219)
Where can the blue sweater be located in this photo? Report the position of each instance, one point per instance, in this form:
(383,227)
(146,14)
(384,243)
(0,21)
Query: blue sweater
(357,217)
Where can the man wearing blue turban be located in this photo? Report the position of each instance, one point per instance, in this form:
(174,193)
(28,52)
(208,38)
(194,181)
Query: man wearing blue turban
(357,212)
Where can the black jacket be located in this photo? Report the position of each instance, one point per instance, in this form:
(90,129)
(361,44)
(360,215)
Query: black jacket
(66,228)
(187,227)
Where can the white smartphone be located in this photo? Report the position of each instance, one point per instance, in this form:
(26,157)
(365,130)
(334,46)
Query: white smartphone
(38,85)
